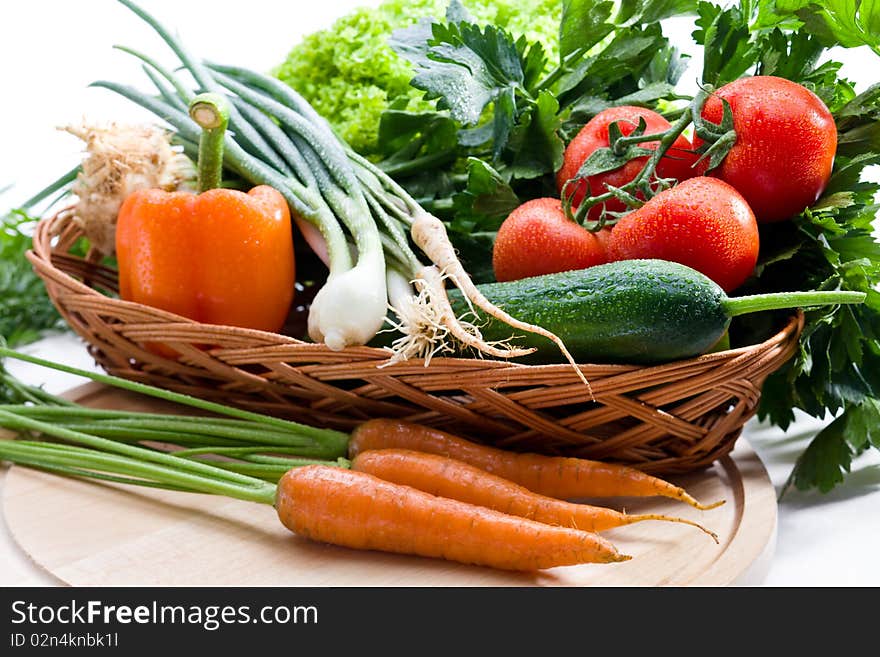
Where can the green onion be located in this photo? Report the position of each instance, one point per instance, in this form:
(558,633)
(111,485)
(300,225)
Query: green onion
(279,140)
(333,442)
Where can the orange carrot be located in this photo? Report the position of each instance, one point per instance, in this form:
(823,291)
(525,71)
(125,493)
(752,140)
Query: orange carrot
(446,477)
(358,510)
(553,476)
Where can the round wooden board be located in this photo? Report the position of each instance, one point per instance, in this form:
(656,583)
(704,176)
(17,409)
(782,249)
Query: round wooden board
(99,534)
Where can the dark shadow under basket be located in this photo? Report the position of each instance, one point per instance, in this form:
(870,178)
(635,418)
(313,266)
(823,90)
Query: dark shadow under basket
(667,419)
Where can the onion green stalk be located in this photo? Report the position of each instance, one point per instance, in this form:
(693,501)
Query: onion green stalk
(358,219)
(137,467)
(238,427)
(205,454)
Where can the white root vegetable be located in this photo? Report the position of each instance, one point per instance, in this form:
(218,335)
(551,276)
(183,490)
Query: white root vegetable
(346,311)
(119,160)
(400,288)
(430,235)
(426,320)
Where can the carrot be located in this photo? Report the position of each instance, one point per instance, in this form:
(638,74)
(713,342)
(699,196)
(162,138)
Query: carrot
(360,511)
(553,476)
(324,502)
(446,477)
(335,505)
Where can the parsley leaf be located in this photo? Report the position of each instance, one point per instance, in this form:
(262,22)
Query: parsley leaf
(728,49)
(486,200)
(466,68)
(409,141)
(26,311)
(616,69)
(535,145)
(847,23)
(584,24)
(828,457)
(858,125)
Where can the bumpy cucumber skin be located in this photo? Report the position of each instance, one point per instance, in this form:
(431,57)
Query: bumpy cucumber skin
(634,311)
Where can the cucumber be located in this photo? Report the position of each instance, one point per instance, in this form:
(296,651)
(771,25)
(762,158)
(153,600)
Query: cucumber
(631,311)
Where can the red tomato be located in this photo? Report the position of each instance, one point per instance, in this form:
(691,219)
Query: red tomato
(785,144)
(676,163)
(703,223)
(537,238)
(604,237)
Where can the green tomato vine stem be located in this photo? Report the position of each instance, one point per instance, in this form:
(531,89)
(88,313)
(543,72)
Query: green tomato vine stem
(642,183)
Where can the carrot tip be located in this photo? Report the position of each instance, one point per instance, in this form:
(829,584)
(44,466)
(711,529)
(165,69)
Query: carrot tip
(687,499)
(708,507)
(684,521)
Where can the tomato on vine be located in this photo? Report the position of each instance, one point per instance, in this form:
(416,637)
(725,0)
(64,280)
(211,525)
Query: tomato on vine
(537,238)
(785,144)
(677,163)
(703,223)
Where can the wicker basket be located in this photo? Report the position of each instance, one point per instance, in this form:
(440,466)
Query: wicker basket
(672,418)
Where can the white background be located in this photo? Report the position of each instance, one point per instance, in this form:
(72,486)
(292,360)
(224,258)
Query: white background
(50,50)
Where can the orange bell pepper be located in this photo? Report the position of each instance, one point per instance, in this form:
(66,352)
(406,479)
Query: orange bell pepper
(221,256)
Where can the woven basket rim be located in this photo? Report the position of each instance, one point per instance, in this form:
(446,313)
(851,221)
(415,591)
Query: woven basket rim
(671,417)
(41,255)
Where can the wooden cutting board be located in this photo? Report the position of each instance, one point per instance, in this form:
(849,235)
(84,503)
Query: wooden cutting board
(100,534)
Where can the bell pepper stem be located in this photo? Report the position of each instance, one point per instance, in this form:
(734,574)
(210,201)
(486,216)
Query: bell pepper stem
(211,112)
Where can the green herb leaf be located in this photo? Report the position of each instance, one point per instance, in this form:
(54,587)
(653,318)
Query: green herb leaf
(728,51)
(666,67)
(411,141)
(534,63)
(848,23)
(617,69)
(858,124)
(792,56)
(829,456)
(584,24)
(825,460)
(651,11)
(486,200)
(535,146)
(466,68)
(26,311)
(503,118)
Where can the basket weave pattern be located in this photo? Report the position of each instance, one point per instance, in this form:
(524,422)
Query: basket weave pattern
(666,419)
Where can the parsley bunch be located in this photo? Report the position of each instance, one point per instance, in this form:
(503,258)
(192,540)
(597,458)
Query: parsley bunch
(26,311)
(505,114)
(830,245)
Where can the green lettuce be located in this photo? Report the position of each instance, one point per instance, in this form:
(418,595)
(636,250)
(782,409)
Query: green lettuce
(350,74)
